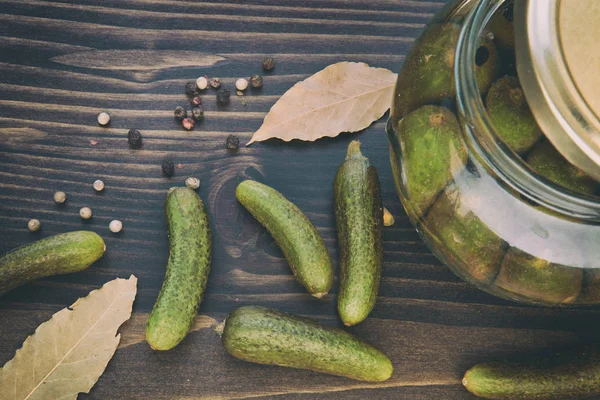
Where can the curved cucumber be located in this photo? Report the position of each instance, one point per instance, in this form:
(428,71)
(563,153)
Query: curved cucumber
(264,336)
(59,254)
(187,271)
(359,219)
(297,237)
(572,375)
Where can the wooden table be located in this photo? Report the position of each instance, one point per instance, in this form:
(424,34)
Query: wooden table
(62,63)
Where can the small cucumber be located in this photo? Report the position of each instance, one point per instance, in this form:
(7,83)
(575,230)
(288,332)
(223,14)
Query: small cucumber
(59,254)
(433,153)
(571,375)
(508,110)
(190,243)
(265,336)
(538,280)
(427,74)
(297,237)
(359,219)
(548,162)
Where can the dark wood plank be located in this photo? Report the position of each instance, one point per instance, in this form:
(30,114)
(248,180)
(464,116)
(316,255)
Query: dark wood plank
(62,62)
(428,360)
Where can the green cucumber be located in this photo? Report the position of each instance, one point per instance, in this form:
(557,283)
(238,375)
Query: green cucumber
(501,25)
(190,243)
(548,162)
(427,76)
(59,254)
(570,375)
(507,107)
(460,236)
(359,219)
(538,280)
(433,153)
(297,237)
(265,336)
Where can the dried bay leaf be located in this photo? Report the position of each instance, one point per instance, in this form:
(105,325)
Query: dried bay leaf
(344,97)
(67,354)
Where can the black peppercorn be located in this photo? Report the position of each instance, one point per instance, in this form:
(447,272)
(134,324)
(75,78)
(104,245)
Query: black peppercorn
(191,89)
(268,64)
(134,137)
(180,113)
(198,113)
(233,142)
(168,168)
(256,81)
(223,96)
(215,83)
(196,101)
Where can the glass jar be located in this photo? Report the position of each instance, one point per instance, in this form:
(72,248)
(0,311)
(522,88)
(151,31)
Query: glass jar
(488,186)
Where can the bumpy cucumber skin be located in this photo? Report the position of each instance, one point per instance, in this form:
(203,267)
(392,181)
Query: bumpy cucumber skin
(59,254)
(359,220)
(537,279)
(462,237)
(265,336)
(569,376)
(548,162)
(190,243)
(434,152)
(510,114)
(297,237)
(427,76)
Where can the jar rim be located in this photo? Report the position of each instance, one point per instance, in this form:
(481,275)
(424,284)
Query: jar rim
(504,162)
(560,90)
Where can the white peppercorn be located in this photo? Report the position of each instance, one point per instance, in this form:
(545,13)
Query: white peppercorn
(202,83)
(103,118)
(241,84)
(60,197)
(192,183)
(98,185)
(33,225)
(85,213)
(115,226)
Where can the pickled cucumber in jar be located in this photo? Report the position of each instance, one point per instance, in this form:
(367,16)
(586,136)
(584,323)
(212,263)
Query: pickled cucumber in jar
(427,76)
(475,171)
(537,279)
(433,152)
(590,292)
(458,232)
(549,163)
(501,26)
(507,107)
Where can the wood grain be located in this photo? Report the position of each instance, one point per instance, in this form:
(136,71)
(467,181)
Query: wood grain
(137,59)
(62,62)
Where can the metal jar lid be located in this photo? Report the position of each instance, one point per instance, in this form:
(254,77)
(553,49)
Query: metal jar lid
(558,61)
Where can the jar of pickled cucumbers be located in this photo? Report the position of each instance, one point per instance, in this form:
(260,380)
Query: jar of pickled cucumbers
(495,146)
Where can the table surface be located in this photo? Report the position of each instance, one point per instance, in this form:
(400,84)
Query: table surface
(62,62)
